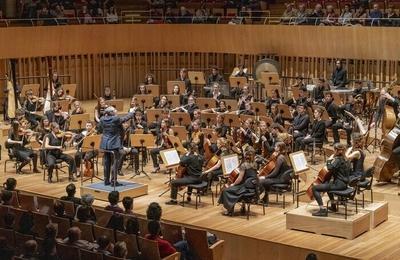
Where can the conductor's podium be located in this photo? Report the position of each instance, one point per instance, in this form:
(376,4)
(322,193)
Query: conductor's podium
(335,224)
(100,191)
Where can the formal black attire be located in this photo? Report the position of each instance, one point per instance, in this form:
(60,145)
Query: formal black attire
(339,78)
(20,152)
(111,128)
(345,124)
(340,170)
(162,143)
(332,110)
(79,155)
(318,94)
(56,117)
(193,164)
(300,124)
(128,150)
(317,134)
(358,166)
(30,108)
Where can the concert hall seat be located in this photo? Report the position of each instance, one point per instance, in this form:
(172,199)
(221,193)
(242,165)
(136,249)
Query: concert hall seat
(87,230)
(20,240)
(26,201)
(66,252)
(45,205)
(9,234)
(90,255)
(102,217)
(198,190)
(313,149)
(131,244)
(251,199)
(63,225)
(172,233)
(366,184)
(40,222)
(149,250)
(99,231)
(198,244)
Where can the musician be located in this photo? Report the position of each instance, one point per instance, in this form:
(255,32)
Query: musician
(339,76)
(302,97)
(331,109)
(78,141)
(162,143)
(77,108)
(317,133)
(177,92)
(127,149)
(279,174)
(99,110)
(339,168)
(215,93)
(221,108)
(299,83)
(149,79)
(356,156)
(183,76)
(108,94)
(163,103)
(197,136)
(248,110)
(31,105)
(43,129)
(245,184)
(220,126)
(53,144)
(110,126)
(18,138)
(357,90)
(139,122)
(216,170)
(245,97)
(57,115)
(344,122)
(193,163)
(300,122)
(276,114)
(241,72)
(59,95)
(197,116)
(190,107)
(274,99)
(142,90)
(247,134)
(215,76)
(134,105)
(318,91)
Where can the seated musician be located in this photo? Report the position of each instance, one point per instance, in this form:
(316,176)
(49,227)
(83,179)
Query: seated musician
(86,156)
(142,90)
(245,97)
(134,105)
(183,76)
(196,136)
(245,183)
(215,76)
(220,126)
(358,90)
(356,156)
(31,105)
(278,174)
(162,143)
(215,170)
(149,79)
(302,98)
(127,149)
(317,133)
(163,103)
(190,107)
(177,92)
(99,110)
(193,163)
(221,108)
(59,94)
(344,122)
(241,72)
(215,92)
(332,109)
(108,94)
(276,115)
(139,123)
(274,99)
(43,130)
(299,83)
(248,135)
(18,138)
(53,144)
(248,110)
(339,169)
(56,115)
(318,91)
(300,122)
(77,108)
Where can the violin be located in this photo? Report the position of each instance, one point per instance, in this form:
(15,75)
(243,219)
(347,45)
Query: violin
(269,166)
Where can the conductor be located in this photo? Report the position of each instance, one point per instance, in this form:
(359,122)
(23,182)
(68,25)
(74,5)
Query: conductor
(111,128)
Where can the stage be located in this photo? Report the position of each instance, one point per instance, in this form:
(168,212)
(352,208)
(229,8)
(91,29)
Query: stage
(260,237)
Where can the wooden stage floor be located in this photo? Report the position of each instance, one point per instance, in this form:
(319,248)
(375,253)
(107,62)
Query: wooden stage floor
(261,237)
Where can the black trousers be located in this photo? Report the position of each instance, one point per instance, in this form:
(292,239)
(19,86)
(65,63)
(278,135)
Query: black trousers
(111,159)
(175,184)
(51,163)
(335,129)
(325,187)
(86,156)
(133,152)
(154,156)
(24,156)
(301,142)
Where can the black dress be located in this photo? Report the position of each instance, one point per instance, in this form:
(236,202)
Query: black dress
(230,196)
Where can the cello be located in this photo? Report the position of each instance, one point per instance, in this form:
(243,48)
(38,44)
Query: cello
(323,176)
(385,164)
(269,166)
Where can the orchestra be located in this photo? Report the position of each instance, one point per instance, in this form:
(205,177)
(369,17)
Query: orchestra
(262,140)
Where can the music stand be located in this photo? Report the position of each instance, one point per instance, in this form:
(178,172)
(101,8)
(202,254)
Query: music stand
(295,93)
(285,112)
(69,89)
(76,121)
(232,120)
(181,132)
(91,144)
(118,104)
(231,104)
(268,78)
(146,101)
(237,82)
(272,87)
(153,90)
(171,159)
(142,141)
(210,134)
(64,105)
(325,115)
(181,117)
(205,103)
(153,115)
(259,108)
(34,87)
(177,144)
(197,79)
(172,83)
(173,100)
(209,118)
(245,117)
(267,119)
(229,163)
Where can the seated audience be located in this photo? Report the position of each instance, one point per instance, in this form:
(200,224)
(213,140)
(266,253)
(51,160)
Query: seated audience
(346,15)
(26,224)
(30,250)
(71,190)
(74,239)
(132,226)
(6,252)
(289,14)
(120,250)
(59,209)
(48,248)
(127,202)
(116,222)
(10,184)
(85,212)
(105,246)
(113,198)
(9,220)
(154,211)
(6,197)
(375,16)
(164,246)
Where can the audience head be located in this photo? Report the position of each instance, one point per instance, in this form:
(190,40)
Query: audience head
(74,234)
(113,197)
(6,197)
(154,211)
(311,256)
(9,219)
(26,223)
(50,231)
(10,184)
(154,227)
(87,199)
(83,213)
(127,202)
(132,226)
(103,242)
(116,222)
(120,249)
(30,248)
(59,208)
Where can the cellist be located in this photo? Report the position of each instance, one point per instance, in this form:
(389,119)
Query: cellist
(216,170)
(193,163)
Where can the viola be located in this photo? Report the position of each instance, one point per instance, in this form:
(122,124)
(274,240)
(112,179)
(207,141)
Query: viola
(323,176)
(269,166)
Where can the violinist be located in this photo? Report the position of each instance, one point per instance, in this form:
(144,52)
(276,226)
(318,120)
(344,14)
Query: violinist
(56,115)
(248,110)
(197,136)
(108,94)
(356,156)
(245,183)
(247,134)
(127,149)
(245,97)
(220,126)
(162,142)
(279,174)
(53,143)
(216,170)
(193,163)
(31,105)
(276,114)
(77,108)
(339,169)
(264,137)
(99,110)
(215,92)
(86,156)
(317,133)
(274,99)
(183,76)
(18,138)
(139,123)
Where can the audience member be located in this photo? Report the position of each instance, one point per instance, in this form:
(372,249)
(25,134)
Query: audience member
(184,16)
(289,14)
(391,17)
(74,239)
(113,198)
(59,209)
(10,184)
(164,246)
(127,202)
(301,16)
(154,211)
(360,16)
(330,16)
(132,226)
(71,190)
(48,249)
(30,250)
(26,224)
(375,15)
(6,197)
(112,16)
(346,15)
(116,222)
(105,246)
(6,252)
(85,212)
(316,15)
(120,250)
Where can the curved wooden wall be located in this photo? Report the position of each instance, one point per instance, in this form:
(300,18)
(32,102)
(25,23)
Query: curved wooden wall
(304,41)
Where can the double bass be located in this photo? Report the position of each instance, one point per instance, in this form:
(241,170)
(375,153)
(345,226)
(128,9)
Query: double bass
(385,164)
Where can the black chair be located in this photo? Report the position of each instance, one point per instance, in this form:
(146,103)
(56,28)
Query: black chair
(58,167)
(198,190)
(283,188)
(313,147)
(366,184)
(13,159)
(344,196)
(251,198)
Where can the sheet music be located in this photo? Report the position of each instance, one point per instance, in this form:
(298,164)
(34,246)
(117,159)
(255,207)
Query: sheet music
(300,162)
(231,163)
(171,157)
